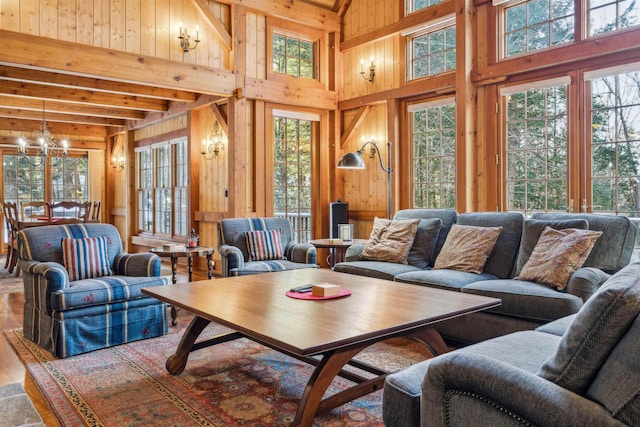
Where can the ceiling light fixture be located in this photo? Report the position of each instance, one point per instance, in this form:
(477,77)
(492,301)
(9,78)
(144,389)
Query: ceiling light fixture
(42,145)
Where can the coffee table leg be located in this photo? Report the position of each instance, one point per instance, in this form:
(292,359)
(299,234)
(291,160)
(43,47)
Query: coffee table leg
(431,339)
(330,365)
(176,362)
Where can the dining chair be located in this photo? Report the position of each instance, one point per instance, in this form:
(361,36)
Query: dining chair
(94,216)
(80,211)
(10,211)
(34,210)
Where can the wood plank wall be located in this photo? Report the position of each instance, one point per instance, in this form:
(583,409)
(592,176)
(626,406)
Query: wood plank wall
(147,27)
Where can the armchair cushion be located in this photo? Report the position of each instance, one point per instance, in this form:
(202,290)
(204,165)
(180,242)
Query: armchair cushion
(596,329)
(264,245)
(86,258)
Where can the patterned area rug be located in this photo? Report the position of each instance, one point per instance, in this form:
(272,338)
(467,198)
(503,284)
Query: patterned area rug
(239,383)
(9,283)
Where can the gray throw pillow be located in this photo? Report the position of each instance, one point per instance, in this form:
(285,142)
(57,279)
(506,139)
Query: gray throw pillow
(424,245)
(531,233)
(598,326)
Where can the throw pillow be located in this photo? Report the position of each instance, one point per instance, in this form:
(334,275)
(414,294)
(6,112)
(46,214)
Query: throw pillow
(597,328)
(424,244)
(86,258)
(390,241)
(557,255)
(532,230)
(467,248)
(264,245)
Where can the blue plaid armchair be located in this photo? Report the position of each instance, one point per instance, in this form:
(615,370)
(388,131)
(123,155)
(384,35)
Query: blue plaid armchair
(72,317)
(236,260)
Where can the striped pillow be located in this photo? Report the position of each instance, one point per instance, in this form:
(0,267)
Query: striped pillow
(86,258)
(264,245)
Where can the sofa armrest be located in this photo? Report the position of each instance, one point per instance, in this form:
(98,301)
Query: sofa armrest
(471,389)
(143,264)
(585,281)
(304,253)
(354,253)
(231,257)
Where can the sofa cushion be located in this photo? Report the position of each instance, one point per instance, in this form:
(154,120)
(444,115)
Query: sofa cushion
(86,258)
(557,327)
(391,240)
(501,262)
(613,251)
(526,300)
(557,255)
(452,280)
(467,248)
(617,385)
(264,245)
(377,269)
(594,332)
(423,249)
(532,230)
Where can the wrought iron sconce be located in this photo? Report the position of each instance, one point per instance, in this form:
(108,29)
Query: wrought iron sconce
(118,162)
(215,144)
(185,39)
(372,70)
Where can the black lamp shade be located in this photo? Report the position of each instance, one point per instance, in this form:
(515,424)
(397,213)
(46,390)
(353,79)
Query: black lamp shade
(351,161)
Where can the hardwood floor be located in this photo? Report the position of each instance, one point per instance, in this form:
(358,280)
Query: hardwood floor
(11,368)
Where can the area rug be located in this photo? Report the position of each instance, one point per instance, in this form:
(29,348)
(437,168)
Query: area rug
(9,283)
(239,383)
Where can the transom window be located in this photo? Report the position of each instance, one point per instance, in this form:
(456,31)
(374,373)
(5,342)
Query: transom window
(536,125)
(432,128)
(537,24)
(293,56)
(415,5)
(612,15)
(432,53)
(162,187)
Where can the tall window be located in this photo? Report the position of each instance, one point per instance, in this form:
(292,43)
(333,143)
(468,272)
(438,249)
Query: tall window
(25,182)
(162,187)
(415,5)
(536,124)
(292,173)
(432,53)
(612,15)
(615,143)
(432,127)
(536,24)
(293,56)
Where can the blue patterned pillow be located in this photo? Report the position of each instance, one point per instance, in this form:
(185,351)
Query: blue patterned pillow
(264,245)
(86,258)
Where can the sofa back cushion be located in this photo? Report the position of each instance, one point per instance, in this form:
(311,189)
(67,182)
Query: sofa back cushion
(447,218)
(232,231)
(613,250)
(532,230)
(617,385)
(45,243)
(501,262)
(596,329)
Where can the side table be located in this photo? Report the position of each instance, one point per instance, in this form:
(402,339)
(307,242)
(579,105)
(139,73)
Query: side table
(188,253)
(337,248)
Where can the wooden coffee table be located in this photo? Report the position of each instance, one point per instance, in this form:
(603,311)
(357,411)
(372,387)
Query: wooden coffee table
(256,307)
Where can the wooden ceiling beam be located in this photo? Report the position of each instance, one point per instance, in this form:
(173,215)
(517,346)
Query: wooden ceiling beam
(26,127)
(62,118)
(221,118)
(33,90)
(355,124)
(213,22)
(41,53)
(69,81)
(33,104)
(175,109)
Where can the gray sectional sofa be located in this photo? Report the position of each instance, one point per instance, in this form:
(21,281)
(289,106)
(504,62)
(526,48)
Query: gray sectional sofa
(581,370)
(525,305)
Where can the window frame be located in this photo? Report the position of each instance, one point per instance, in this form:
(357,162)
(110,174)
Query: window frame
(442,24)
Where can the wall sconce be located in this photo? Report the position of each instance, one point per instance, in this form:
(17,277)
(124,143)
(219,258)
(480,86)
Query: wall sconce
(185,39)
(118,162)
(372,70)
(215,144)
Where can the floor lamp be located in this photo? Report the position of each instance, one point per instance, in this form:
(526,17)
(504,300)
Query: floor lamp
(355,161)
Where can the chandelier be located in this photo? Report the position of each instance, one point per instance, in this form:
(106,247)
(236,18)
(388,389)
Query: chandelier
(42,145)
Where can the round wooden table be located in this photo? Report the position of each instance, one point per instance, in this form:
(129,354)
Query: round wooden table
(337,248)
(188,253)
